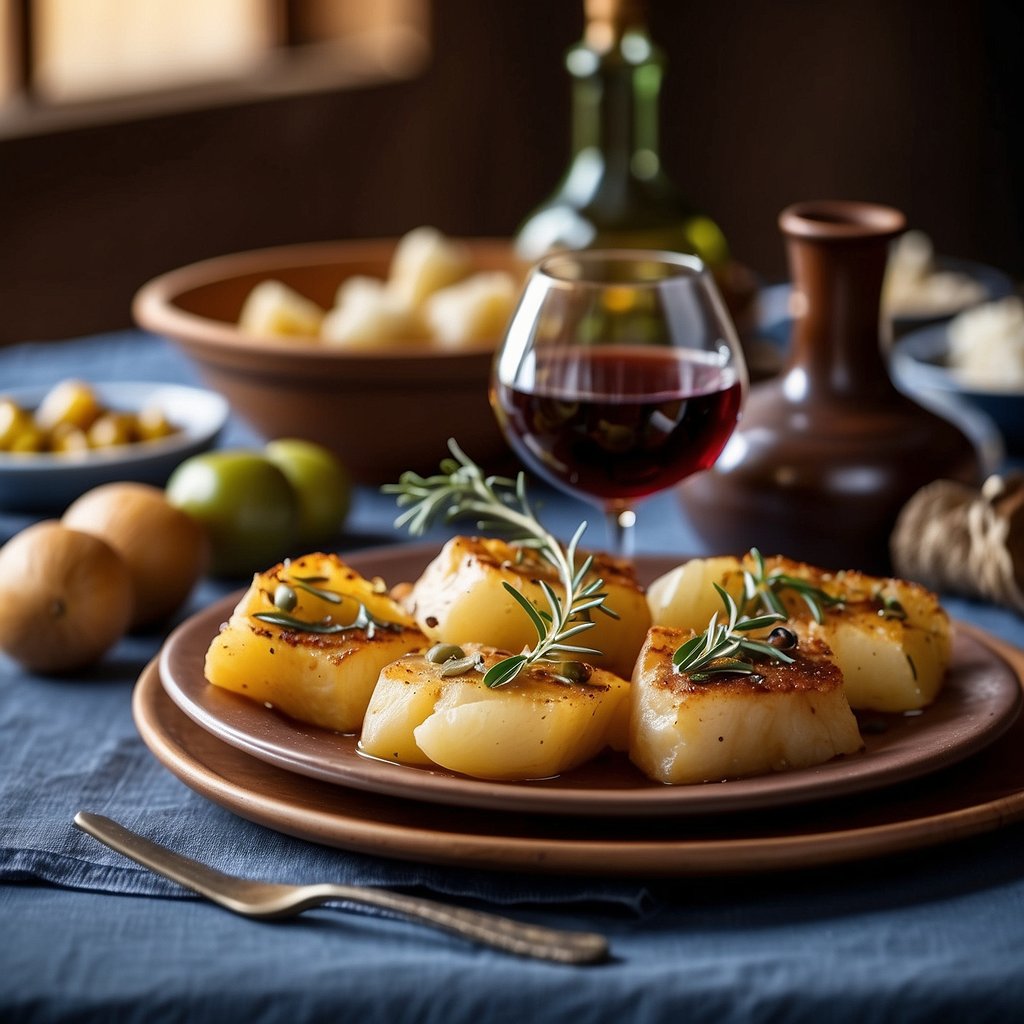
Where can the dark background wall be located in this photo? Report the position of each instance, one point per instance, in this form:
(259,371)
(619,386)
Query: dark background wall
(901,101)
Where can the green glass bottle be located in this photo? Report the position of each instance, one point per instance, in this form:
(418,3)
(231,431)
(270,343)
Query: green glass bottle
(616,193)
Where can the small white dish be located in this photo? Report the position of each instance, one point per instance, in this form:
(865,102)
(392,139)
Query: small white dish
(49,482)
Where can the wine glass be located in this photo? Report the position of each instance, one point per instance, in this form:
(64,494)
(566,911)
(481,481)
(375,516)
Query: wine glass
(620,374)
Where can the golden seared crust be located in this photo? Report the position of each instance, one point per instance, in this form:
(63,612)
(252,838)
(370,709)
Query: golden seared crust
(535,680)
(525,562)
(333,647)
(857,590)
(330,572)
(324,678)
(812,671)
(330,645)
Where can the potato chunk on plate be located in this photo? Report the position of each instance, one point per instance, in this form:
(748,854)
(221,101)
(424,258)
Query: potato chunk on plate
(323,678)
(534,727)
(891,638)
(685,597)
(785,716)
(460,598)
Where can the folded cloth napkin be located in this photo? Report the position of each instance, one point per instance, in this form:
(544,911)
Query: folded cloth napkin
(70,744)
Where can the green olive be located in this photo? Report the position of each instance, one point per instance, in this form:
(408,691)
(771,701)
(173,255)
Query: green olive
(246,504)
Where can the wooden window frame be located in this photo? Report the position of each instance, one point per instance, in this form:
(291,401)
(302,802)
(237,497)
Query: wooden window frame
(293,67)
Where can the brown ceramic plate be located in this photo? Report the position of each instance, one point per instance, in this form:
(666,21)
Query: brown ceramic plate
(981,699)
(979,795)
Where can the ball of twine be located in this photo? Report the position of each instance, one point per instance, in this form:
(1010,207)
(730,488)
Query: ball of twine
(951,537)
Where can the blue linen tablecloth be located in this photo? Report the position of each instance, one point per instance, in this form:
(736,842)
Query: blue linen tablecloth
(936,934)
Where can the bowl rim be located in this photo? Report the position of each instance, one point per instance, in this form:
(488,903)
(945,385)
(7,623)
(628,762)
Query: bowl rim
(154,308)
(919,358)
(773,298)
(194,430)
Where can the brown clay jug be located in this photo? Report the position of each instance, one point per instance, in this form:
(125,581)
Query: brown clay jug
(829,451)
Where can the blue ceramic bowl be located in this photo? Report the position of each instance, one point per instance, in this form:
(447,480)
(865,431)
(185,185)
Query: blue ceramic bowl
(919,366)
(775,323)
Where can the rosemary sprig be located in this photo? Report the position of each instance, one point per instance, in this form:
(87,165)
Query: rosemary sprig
(761,590)
(284,600)
(306,583)
(714,652)
(500,504)
(364,619)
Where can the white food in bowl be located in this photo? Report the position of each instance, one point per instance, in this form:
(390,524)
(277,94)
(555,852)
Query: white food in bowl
(986,345)
(431,296)
(273,310)
(915,287)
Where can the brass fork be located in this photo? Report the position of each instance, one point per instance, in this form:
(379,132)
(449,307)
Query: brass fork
(268,900)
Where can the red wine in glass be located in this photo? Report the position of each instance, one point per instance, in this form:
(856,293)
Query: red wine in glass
(620,422)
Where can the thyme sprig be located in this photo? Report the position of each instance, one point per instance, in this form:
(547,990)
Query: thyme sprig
(715,651)
(500,504)
(762,590)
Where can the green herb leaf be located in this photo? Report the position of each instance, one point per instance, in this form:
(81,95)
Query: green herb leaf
(712,654)
(300,583)
(890,607)
(300,625)
(505,671)
(364,620)
(762,590)
(461,490)
(540,624)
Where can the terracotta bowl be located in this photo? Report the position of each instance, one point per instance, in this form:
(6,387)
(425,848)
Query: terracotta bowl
(380,412)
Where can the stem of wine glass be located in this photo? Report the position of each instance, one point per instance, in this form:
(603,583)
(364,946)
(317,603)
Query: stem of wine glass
(621,537)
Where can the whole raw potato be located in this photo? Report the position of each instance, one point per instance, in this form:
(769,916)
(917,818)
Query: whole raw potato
(65,598)
(165,549)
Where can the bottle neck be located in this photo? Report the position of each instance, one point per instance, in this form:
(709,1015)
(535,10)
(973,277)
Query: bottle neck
(607,21)
(615,103)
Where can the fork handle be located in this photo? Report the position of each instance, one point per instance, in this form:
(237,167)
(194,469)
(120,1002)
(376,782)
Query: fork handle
(286,900)
(568,947)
